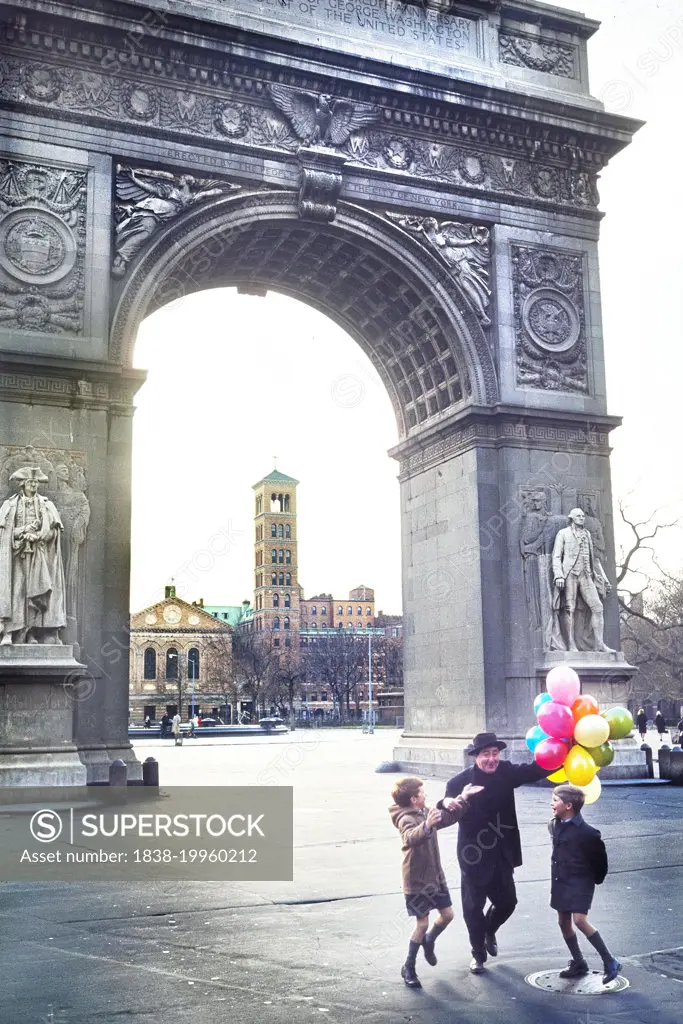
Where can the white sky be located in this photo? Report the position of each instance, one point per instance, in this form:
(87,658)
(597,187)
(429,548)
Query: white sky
(234,380)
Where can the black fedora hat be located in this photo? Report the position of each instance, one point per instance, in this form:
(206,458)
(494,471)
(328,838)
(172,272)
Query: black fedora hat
(483,740)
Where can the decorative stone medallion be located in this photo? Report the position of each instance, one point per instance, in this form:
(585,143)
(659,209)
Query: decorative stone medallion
(551,320)
(193,620)
(172,614)
(42,83)
(151,619)
(398,154)
(232,120)
(35,246)
(140,103)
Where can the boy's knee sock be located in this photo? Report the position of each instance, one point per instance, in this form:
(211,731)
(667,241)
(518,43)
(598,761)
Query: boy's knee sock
(412,953)
(573,944)
(596,941)
(434,931)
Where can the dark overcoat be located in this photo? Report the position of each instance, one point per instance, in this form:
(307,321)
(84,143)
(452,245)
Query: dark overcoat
(488,831)
(579,863)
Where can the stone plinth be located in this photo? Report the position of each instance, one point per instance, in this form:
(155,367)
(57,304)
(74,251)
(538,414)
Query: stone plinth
(36,716)
(604,676)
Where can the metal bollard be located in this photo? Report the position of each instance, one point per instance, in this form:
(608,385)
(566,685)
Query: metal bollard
(664,758)
(118,773)
(649,763)
(150,772)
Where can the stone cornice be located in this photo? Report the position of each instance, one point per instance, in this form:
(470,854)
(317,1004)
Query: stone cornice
(504,427)
(231,70)
(74,385)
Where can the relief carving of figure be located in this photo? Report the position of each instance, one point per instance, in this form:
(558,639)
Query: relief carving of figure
(75,511)
(32,585)
(578,573)
(147,199)
(537,534)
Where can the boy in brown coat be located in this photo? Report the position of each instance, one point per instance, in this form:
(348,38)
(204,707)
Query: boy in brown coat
(424,883)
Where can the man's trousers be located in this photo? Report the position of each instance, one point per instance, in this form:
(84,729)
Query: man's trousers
(499,887)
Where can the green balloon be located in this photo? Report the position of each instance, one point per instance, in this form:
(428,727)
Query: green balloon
(620,722)
(602,755)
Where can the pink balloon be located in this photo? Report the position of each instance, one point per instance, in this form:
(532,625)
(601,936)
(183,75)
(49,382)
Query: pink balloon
(563,684)
(556,719)
(551,753)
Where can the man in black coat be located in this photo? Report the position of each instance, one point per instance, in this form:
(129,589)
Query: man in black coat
(489,846)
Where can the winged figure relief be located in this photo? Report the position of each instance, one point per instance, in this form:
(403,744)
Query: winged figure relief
(321,119)
(145,199)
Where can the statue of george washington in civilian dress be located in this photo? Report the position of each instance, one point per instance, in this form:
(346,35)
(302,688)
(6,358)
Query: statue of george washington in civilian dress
(32,587)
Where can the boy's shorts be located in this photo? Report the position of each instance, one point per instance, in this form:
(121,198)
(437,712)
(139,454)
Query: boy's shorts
(419,904)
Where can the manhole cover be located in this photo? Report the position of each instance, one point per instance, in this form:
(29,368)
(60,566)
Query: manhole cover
(590,985)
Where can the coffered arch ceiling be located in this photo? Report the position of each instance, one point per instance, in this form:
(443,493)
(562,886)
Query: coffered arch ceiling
(389,292)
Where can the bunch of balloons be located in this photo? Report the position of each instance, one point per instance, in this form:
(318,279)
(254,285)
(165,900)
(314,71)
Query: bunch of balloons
(572,736)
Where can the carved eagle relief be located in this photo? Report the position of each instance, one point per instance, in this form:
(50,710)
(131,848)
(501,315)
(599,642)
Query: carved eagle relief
(321,119)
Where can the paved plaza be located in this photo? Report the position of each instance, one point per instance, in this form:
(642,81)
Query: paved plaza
(329,945)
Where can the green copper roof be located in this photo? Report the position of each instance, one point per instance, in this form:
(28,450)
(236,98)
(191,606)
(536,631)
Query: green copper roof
(276,477)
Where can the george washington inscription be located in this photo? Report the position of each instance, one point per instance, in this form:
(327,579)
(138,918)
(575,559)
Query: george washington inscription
(365,27)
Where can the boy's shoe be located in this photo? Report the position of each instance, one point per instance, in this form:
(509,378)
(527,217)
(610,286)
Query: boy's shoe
(491,944)
(575,969)
(428,947)
(612,969)
(410,977)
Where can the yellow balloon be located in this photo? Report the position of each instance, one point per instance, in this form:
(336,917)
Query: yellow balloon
(592,790)
(591,731)
(559,776)
(579,766)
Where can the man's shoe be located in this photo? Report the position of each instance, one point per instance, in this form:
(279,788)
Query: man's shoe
(410,977)
(612,969)
(476,966)
(491,944)
(575,969)
(428,947)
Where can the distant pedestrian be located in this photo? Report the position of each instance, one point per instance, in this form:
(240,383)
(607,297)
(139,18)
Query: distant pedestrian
(176,729)
(424,883)
(641,722)
(579,863)
(148,721)
(165,725)
(680,731)
(660,725)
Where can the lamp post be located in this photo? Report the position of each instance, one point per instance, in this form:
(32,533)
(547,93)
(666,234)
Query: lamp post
(193,666)
(371,717)
(180,682)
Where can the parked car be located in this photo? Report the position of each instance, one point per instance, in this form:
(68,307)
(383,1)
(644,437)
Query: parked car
(209,722)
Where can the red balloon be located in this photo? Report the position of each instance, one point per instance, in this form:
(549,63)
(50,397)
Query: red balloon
(551,753)
(585,705)
(556,719)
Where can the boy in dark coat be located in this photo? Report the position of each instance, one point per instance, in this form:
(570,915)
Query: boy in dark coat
(579,863)
(424,883)
(489,844)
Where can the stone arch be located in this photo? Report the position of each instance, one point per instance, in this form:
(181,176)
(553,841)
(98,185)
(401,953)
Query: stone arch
(394,296)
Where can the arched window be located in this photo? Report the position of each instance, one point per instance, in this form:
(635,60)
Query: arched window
(273,530)
(288,601)
(286,622)
(281,556)
(193,663)
(276,622)
(349,610)
(288,531)
(359,611)
(286,503)
(259,506)
(276,600)
(288,579)
(323,625)
(349,625)
(323,610)
(368,611)
(280,579)
(280,530)
(273,578)
(172,663)
(340,610)
(273,555)
(288,557)
(314,625)
(150,663)
(314,610)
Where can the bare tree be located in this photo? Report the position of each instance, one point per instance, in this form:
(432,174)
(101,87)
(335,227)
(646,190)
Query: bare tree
(650,610)
(255,657)
(338,659)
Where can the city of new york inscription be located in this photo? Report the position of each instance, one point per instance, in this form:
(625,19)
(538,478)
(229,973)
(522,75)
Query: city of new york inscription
(356,26)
